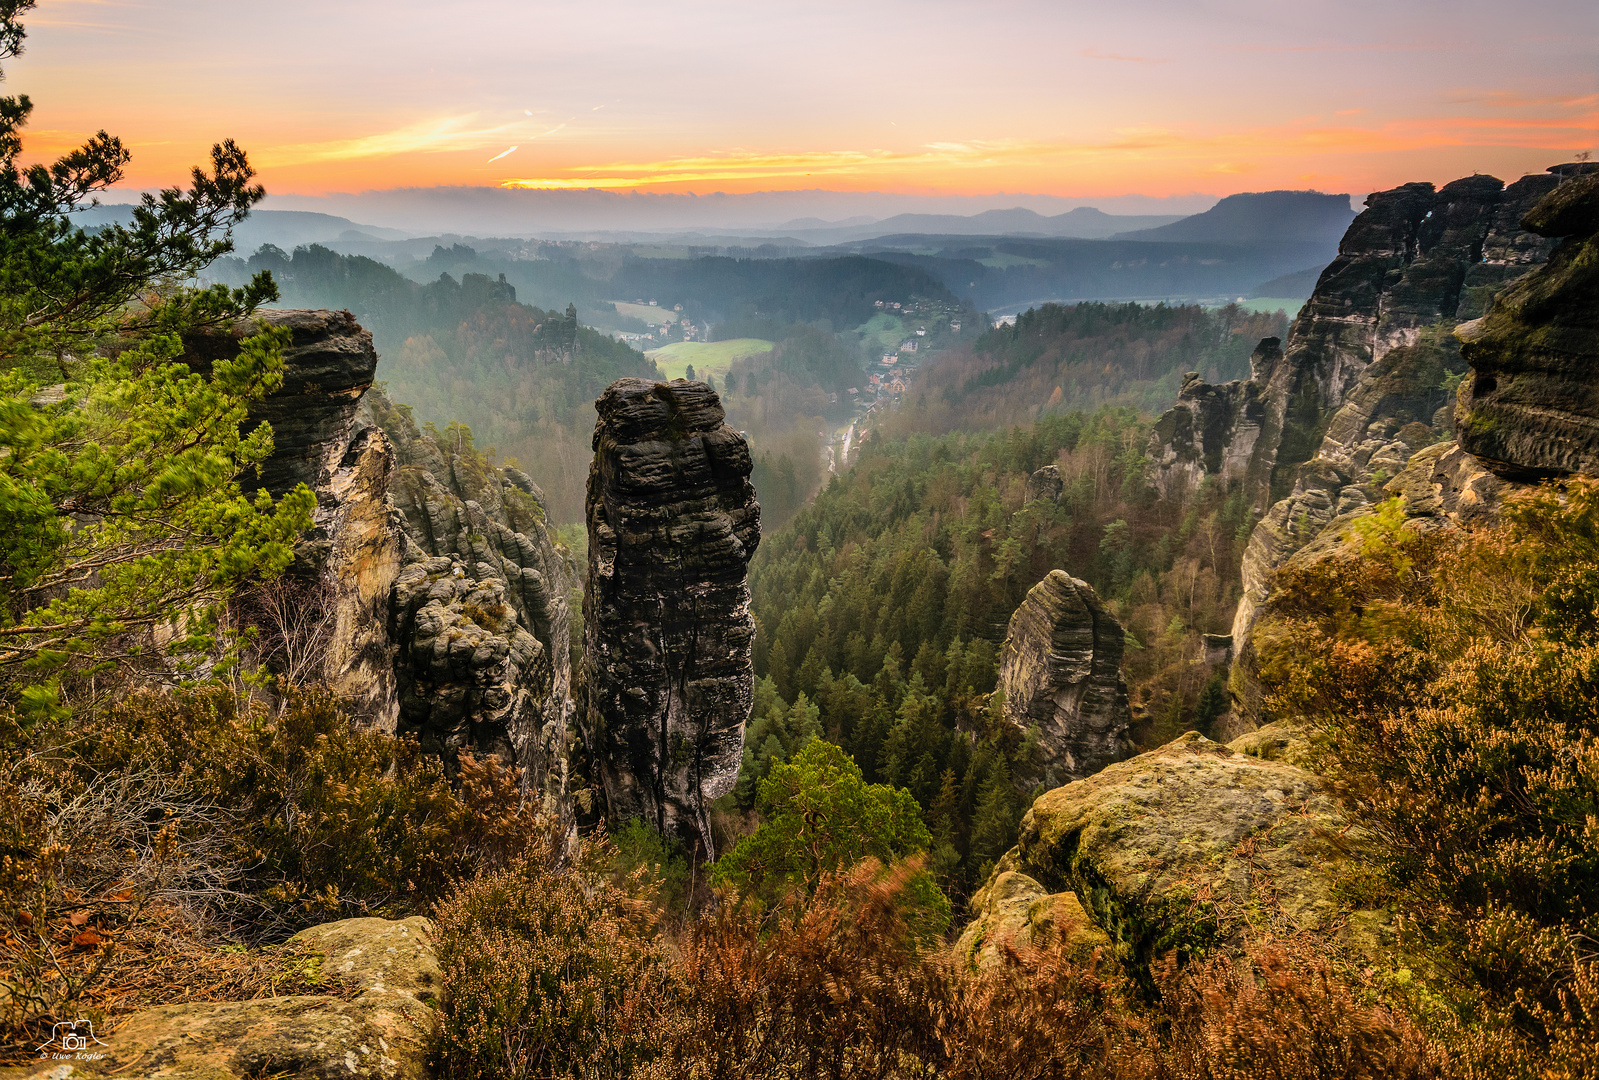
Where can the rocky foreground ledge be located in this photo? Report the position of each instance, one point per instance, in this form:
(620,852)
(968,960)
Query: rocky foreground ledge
(382,1032)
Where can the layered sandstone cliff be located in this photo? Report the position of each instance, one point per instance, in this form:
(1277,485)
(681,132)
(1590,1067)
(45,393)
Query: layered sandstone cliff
(673,523)
(1060,672)
(1539,339)
(434,597)
(1530,407)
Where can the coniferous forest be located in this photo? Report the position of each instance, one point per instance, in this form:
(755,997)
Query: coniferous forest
(755,661)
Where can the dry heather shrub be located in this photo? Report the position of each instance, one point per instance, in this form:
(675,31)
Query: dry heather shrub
(1285,1017)
(834,987)
(176,820)
(330,819)
(1037,1013)
(552,972)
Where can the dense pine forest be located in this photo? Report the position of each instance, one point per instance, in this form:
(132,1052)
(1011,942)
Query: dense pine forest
(882,607)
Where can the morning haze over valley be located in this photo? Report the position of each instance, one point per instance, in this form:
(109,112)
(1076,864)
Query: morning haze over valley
(801,541)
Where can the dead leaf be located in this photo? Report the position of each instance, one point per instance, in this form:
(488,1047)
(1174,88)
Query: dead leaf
(87,939)
(78,918)
(24,918)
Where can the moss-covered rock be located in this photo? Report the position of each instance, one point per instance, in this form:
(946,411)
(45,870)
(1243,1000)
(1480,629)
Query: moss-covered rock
(1015,909)
(1192,847)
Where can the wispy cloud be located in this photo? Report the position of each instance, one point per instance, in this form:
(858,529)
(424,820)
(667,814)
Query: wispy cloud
(1232,151)
(501,154)
(428,136)
(1096,54)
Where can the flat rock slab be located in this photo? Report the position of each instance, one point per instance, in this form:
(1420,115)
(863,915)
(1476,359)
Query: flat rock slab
(381,1034)
(1194,846)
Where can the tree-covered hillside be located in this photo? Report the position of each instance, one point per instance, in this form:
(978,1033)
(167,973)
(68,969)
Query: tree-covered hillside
(882,606)
(1057,358)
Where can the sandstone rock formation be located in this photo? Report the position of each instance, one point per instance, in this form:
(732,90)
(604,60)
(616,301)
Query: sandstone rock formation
(436,595)
(1060,671)
(1216,430)
(672,523)
(1530,407)
(382,1032)
(1194,845)
(1045,483)
(1014,910)
(1414,258)
(1442,486)
(1364,380)
(479,612)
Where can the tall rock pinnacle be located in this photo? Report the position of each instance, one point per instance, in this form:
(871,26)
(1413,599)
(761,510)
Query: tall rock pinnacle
(1060,670)
(672,522)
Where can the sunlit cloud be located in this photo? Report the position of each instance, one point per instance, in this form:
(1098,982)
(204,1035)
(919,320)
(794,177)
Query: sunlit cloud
(1223,152)
(429,136)
(501,154)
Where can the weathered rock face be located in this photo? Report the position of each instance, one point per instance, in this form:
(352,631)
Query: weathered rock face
(1060,671)
(1413,258)
(381,1033)
(1216,430)
(1044,484)
(1192,845)
(1361,385)
(479,613)
(1440,487)
(1530,407)
(445,592)
(672,523)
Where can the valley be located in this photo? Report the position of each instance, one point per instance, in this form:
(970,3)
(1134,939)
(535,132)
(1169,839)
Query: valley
(755,575)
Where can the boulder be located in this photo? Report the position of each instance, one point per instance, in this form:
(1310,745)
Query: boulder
(1016,911)
(381,1032)
(673,523)
(1060,671)
(1045,483)
(1192,847)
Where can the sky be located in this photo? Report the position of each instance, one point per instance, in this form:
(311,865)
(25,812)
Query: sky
(932,97)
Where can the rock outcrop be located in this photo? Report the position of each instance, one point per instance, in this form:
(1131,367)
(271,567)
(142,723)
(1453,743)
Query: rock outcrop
(1015,911)
(1191,846)
(1060,672)
(381,1031)
(1415,259)
(1365,379)
(438,597)
(1045,483)
(673,523)
(479,612)
(1442,486)
(1216,430)
(1530,407)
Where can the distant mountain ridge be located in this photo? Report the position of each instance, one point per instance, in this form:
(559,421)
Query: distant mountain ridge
(1081,223)
(1265,217)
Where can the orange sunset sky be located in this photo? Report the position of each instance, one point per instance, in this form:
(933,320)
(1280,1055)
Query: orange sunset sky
(1062,98)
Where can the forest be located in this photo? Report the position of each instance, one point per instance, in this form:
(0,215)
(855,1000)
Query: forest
(331,746)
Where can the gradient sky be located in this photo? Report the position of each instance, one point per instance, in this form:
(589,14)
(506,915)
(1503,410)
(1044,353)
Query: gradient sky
(1062,98)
